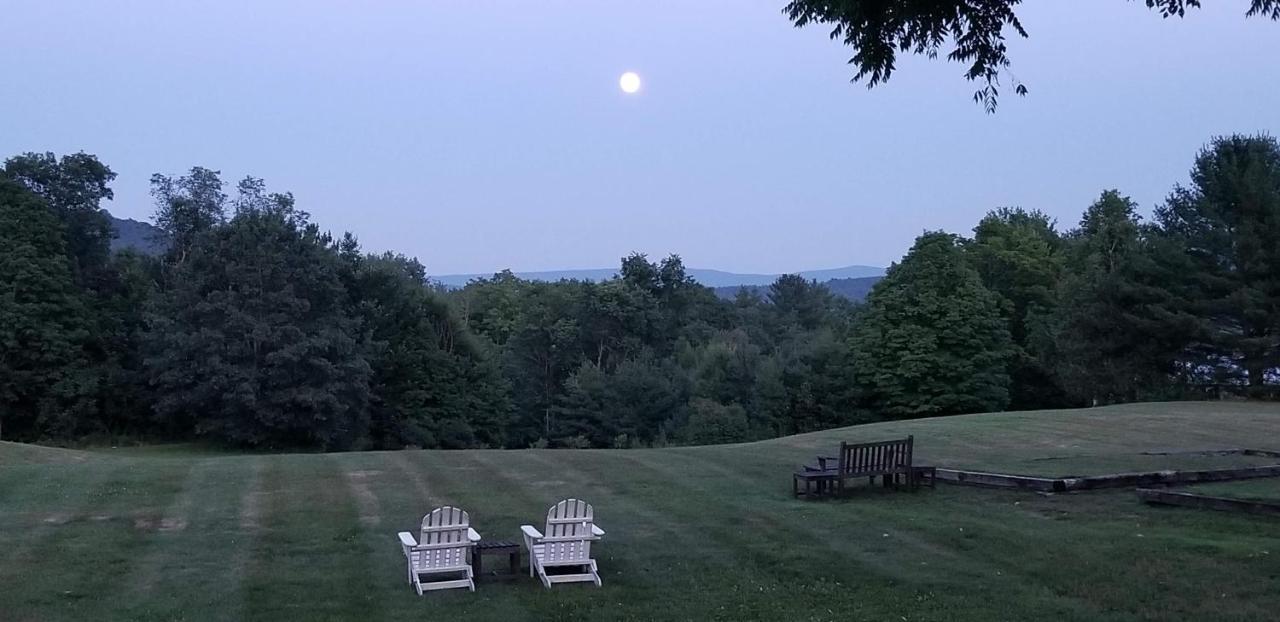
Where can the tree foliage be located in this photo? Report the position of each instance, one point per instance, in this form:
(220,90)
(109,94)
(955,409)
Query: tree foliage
(262,330)
(878,30)
(1112,339)
(432,383)
(252,343)
(1018,254)
(42,362)
(1227,223)
(932,340)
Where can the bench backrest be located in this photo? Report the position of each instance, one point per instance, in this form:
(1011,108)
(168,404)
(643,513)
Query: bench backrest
(443,541)
(568,532)
(880,457)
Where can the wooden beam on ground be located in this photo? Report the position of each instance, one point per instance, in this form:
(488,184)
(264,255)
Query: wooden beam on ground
(1206,502)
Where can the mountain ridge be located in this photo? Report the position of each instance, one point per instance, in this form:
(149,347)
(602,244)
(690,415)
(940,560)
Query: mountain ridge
(852,282)
(706,276)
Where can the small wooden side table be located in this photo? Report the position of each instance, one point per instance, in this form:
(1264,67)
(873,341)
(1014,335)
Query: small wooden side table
(496,547)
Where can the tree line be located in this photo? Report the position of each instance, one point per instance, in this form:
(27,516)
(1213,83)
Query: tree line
(257,328)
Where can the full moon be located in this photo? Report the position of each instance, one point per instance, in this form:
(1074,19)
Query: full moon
(630,82)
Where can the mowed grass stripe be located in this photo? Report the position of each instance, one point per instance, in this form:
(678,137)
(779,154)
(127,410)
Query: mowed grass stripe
(384,498)
(68,570)
(195,555)
(637,558)
(38,499)
(706,533)
(882,530)
(309,561)
(459,479)
(799,556)
(633,514)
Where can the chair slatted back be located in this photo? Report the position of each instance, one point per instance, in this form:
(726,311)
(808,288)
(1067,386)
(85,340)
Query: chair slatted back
(443,541)
(568,532)
(878,457)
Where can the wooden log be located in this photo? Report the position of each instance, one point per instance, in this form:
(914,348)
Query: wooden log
(999,480)
(1224,504)
(1114,480)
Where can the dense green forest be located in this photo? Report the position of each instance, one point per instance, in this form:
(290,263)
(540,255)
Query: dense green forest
(255,327)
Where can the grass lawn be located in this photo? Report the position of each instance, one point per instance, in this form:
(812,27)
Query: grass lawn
(1262,489)
(695,533)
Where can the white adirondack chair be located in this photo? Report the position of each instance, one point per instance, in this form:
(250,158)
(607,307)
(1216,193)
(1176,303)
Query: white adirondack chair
(570,530)
(443,547)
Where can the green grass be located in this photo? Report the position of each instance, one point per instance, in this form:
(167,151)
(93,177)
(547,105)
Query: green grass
(701,533)
(1261,489)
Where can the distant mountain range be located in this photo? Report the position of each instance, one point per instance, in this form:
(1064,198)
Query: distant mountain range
(140,236)
(853,289)
(710,278)
(852,282)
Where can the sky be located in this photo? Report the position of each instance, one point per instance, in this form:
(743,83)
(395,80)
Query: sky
(480,135)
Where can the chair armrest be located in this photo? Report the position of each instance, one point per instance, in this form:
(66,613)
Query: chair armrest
(472,535)
(596,530)
(531,536)
(406,540)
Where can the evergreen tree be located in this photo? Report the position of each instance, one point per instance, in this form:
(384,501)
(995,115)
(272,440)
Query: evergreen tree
(797,300)
(1112,339)
(638,402)
(713,423)
(1227,224)
(931,340)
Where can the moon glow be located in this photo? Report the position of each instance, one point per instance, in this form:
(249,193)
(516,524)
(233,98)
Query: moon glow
(629,82)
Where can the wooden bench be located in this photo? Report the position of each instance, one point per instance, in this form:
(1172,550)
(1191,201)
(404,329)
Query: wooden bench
(889,460)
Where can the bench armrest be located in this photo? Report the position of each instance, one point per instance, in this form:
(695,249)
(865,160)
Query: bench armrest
(596,530)
(472,535)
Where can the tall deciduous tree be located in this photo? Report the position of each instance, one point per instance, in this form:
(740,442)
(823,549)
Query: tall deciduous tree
(73,187)
(432,383)
(41,321)
(932,340)
(1018,254)
(253,345)
(189,206)
(113,289)
(1227,222)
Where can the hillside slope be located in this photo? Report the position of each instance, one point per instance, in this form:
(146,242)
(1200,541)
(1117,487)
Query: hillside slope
(140,236)
(697,533)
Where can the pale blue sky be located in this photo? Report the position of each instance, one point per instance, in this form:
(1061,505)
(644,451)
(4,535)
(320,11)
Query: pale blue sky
(480,135)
